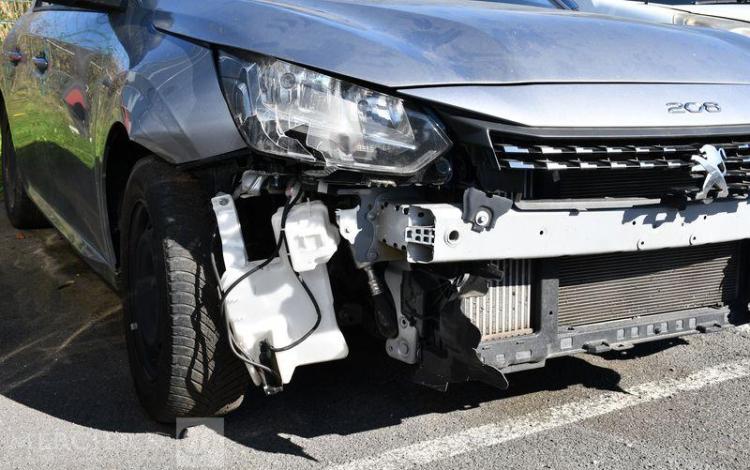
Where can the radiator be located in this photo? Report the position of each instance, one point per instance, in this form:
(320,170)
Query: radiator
(505,310)
(596,289)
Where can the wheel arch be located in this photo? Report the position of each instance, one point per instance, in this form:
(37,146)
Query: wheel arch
(119,158)
(172,103)
(120,155)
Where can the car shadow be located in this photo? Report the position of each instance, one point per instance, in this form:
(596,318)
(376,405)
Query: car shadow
(370,391)
(62,354)
(61,346)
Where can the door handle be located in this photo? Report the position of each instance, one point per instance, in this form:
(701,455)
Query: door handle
(15,57)
(41,63)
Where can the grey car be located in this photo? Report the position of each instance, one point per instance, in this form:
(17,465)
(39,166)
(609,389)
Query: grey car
(482,186)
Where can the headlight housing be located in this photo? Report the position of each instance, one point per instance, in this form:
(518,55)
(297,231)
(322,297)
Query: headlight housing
(290,111)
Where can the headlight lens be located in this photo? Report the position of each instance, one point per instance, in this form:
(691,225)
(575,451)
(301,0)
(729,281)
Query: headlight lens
(287,110)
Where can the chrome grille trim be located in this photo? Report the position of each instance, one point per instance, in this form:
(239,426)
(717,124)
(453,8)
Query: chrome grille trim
(576,157)
(546,157)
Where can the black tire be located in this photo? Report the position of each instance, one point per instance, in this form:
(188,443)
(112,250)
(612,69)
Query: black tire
(22,212)
(179,356)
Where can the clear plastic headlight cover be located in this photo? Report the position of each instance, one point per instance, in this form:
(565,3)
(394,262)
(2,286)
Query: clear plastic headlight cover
(290,111)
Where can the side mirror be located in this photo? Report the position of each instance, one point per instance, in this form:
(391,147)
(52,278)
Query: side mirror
(98,5)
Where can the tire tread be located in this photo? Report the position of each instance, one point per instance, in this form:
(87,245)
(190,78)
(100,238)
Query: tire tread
(204,376)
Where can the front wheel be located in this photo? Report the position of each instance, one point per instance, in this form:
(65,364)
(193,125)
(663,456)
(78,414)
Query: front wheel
(179,355)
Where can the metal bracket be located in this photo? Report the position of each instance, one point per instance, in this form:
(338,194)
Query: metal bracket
(405,346)
(482,211)
(359,225)
(251,184)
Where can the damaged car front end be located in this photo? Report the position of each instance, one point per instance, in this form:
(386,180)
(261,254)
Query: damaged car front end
(483,186)
(476,247)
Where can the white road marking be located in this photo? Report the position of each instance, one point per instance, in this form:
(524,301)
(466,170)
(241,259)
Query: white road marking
(493,434)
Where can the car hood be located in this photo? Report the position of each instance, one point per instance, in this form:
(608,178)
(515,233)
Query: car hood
(402,43)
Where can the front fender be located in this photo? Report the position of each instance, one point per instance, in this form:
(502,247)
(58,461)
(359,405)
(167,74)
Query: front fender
(172,103)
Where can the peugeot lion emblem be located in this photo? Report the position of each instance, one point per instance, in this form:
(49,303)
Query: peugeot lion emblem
(712,162)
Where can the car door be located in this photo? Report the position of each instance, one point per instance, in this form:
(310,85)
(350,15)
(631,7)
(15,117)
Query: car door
(22,89)
(79,57)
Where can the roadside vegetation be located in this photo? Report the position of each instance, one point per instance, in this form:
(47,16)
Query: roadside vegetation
(10,10)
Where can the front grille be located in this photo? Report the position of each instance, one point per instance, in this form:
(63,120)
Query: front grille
(618,184)
(620,169)
(506,308)
(602,288)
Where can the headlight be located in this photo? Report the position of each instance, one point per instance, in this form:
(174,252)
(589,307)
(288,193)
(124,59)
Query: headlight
(289,111)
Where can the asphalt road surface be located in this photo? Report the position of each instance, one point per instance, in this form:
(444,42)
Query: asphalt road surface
(66,400)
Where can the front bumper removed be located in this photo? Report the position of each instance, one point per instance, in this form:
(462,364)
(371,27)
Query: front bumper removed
(432,234)
(412,240)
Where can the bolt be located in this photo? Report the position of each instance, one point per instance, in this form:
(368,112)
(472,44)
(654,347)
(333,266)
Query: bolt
(372,255)
(403,348)
(404,322)
(224,201)
(482,218)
